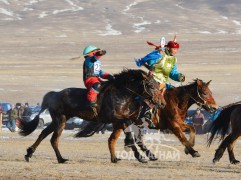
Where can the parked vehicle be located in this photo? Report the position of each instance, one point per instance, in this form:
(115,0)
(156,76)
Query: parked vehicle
(73,123)
(5,108)
(36,109)
(45,119)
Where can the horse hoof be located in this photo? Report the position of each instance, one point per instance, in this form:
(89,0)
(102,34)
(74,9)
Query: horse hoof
(63,160)
(115,160)
(235,162)
(26,158)
(186,151)
(215,161)
(142,160)
(153,159)
(196,154)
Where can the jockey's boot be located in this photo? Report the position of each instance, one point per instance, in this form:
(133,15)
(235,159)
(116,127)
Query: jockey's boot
(93,106)
(148,117)
(129,140)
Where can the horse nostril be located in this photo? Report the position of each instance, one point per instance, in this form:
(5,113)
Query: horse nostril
(162,106)
(214,109)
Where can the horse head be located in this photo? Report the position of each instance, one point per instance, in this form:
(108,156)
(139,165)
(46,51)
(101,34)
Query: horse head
(155,90)
(204,96)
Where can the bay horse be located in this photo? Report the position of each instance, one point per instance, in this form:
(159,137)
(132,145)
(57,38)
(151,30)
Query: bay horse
(178,101)
(116,102)
(230,116)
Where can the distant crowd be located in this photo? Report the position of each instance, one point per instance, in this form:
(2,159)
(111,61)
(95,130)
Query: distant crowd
(200,122)
(23,112)
(17,113)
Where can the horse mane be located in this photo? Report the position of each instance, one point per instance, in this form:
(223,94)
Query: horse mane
(221,124)
(232,104)
(127,77)
(195,81)
(184,86)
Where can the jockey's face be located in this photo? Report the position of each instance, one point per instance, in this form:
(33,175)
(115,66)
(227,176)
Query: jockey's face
(173,51)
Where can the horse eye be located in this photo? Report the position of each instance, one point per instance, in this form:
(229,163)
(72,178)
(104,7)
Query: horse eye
(151,86)
(204,93)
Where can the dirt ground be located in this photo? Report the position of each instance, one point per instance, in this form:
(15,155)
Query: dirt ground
(89,159)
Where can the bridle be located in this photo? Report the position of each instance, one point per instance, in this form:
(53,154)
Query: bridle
(200,104)
(144,83)
(145,89)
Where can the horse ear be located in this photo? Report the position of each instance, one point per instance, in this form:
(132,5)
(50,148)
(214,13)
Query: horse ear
(199,82)
(144,76)
(162,86)
(209,82)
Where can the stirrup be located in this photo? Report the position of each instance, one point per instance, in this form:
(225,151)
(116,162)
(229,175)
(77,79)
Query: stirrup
(150,123)
(93,104)
(94,110)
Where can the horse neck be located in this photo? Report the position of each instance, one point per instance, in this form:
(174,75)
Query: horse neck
(137,89)
(184,95)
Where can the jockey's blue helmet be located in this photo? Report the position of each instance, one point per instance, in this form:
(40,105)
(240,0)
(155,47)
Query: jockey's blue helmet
(89,49)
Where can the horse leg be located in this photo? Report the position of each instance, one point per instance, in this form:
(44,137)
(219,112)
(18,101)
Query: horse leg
(191,131)
(142,146)
(55,138)
(148,153)
(129,140)
(188,146)
(117,129)
(137,155)
(138,138)
(49,129)
(130,144)
(230,150)
(219,152)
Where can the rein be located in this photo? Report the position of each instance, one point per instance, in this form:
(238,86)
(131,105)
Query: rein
(138,93)
(197,102)
(144,84)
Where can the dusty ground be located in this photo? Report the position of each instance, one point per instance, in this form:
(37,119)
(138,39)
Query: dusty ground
(90,159)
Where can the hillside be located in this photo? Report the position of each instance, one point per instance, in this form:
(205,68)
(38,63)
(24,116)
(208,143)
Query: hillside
(38,37)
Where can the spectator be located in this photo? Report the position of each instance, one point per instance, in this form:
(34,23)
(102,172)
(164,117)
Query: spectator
(26,113)
(19,111)
(198,121)
(1,117)
(12,113)
(188,120)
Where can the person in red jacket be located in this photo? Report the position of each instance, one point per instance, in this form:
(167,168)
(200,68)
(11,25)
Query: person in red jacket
(92,72)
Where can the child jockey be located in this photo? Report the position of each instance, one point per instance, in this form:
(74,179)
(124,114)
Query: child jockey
(163,63)
(92,73)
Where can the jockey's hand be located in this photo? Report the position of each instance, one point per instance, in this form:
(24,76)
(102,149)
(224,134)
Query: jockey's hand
(182,78)
(100,53)
(110,77)
(138,62)
(103,52)
(150,74)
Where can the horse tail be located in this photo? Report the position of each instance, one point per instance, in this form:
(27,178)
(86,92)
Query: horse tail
(220,126)
(27,128)
(89,129)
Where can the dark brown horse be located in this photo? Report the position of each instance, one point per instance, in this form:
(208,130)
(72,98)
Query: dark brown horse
(116,103)
(230,116)
(172,117)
